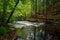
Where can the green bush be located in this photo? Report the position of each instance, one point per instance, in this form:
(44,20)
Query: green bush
(3,31)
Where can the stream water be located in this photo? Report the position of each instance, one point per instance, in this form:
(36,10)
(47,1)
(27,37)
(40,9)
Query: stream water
(29,32)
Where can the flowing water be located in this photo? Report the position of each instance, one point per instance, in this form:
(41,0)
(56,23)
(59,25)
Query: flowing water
(31,31)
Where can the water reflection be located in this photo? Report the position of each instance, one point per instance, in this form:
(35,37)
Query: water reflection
(42,35)
(39,35)
(19,38)
(30,32)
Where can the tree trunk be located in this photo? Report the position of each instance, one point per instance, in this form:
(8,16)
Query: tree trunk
(12,12)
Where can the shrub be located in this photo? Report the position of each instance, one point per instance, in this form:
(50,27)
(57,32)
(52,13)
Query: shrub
(3,31)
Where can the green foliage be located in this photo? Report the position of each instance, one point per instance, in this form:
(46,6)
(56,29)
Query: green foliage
(21,33)
(25,7)
(23,1)
(3,31)
(6,7)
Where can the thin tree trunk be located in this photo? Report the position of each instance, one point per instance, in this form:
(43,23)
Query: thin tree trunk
(12,12)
